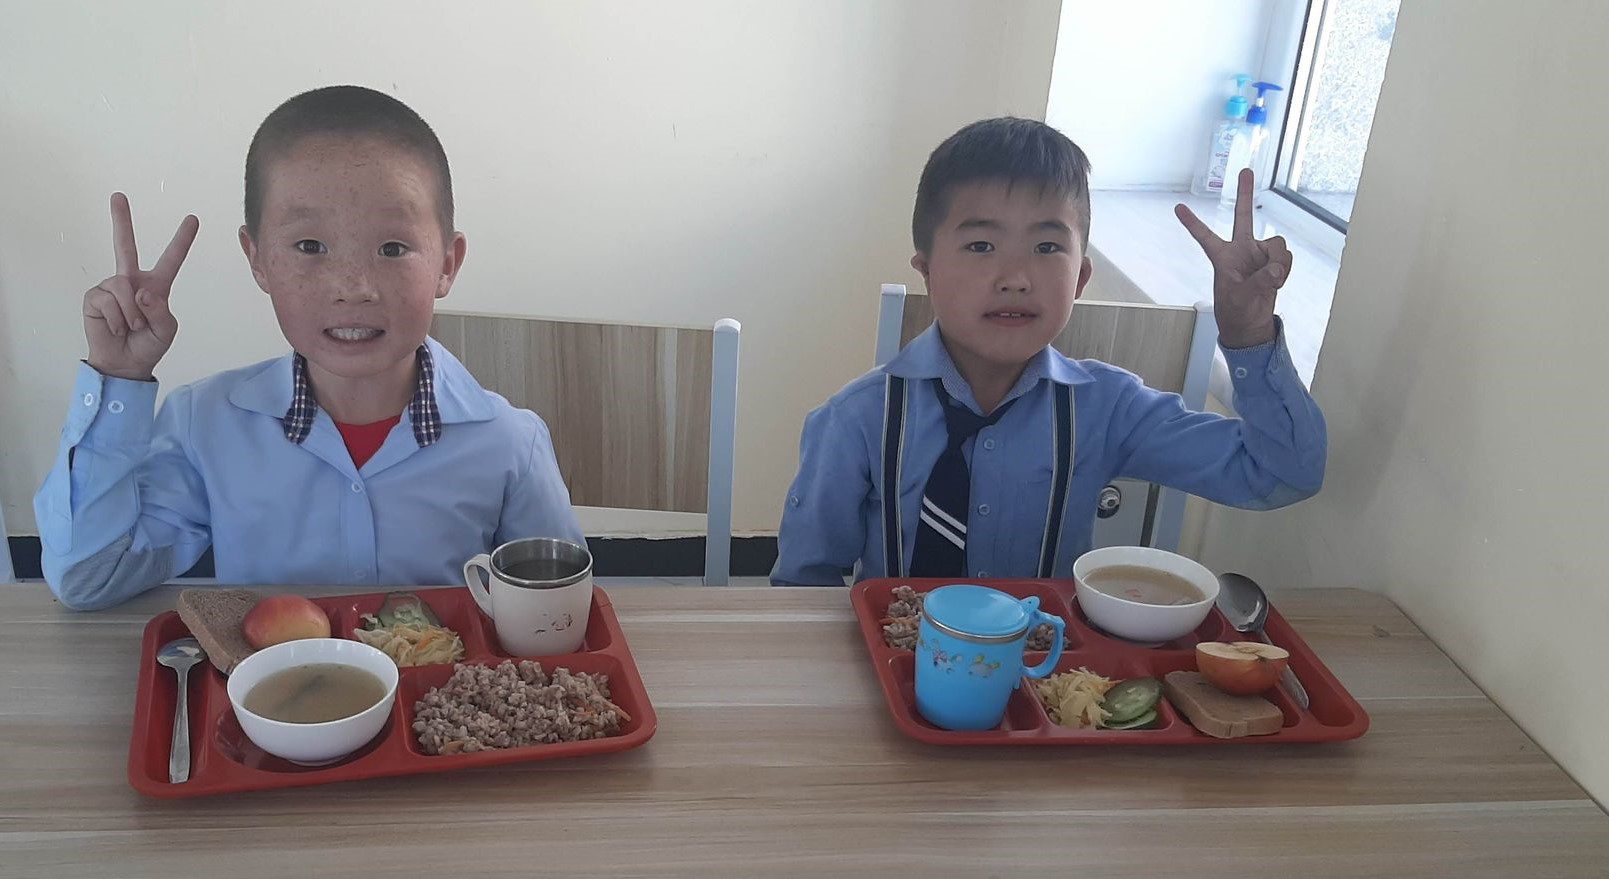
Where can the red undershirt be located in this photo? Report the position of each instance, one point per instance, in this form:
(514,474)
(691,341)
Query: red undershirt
(363,440)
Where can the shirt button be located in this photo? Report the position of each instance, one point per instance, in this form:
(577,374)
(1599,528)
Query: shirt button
(794,500)
(983,509)
(89,399)
(982,574)
(357,488)
(989,444)
(1240,372)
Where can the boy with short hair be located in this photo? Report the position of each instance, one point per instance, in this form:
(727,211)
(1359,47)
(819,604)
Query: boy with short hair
(979,451)
(368,456)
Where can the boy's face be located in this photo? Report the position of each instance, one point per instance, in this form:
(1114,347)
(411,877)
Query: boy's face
(351,251)
(1003,271)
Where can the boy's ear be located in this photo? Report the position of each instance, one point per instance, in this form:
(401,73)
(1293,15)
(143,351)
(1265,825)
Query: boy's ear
(249,247)
(452,260)
(1083,277)
(919,262)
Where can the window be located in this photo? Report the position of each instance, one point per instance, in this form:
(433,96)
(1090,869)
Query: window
(1336,53)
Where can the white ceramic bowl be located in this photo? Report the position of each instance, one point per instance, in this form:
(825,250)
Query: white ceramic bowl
(1136,620)
(312,743)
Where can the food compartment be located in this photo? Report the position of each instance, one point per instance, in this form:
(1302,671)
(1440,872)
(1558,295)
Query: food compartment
(1213,628)
(1164,662)
(1118,667)
(874,603)
(160,692)
(598,637)
(1023,714)
(454,607)
(623,693)
(227,741)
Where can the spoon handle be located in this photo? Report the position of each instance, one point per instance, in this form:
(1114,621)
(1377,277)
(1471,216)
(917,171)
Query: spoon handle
(179,751)
(1287,679)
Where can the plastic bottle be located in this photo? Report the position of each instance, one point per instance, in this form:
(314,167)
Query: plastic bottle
(1210,181)
(1248,152)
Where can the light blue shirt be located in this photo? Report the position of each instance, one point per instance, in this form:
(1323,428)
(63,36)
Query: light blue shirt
(134,500)
(832,521)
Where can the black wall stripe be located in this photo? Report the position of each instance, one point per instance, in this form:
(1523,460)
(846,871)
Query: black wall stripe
(611,557)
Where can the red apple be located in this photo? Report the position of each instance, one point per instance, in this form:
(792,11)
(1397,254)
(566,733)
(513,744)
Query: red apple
(280,618)
(1243,668)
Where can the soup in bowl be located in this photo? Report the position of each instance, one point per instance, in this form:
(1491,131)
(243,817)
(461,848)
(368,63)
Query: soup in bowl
(1143,594)
(314,700)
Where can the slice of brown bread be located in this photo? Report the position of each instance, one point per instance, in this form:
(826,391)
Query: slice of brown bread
(214,616)
(1217,713)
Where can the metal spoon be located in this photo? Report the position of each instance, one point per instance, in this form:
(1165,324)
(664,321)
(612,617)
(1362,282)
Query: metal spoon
(1245,604)
(180,655)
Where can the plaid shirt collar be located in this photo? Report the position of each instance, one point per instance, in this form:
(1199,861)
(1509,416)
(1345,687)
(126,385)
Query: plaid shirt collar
(422,411)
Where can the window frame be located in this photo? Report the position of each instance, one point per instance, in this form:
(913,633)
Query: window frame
(1293,50)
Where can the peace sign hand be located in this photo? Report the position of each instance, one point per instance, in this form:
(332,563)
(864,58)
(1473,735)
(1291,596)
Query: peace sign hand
(1246,273)
(126,317)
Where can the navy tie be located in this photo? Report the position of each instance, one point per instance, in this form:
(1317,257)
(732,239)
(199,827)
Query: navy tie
(941,530)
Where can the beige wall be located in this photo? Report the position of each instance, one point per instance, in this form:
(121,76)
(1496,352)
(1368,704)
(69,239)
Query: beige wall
(1464,368)
(636,161)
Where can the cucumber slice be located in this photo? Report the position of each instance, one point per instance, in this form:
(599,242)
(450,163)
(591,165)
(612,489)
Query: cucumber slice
(1130,699)
(1143,720)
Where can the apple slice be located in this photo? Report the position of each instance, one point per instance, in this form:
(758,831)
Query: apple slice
(1243,668)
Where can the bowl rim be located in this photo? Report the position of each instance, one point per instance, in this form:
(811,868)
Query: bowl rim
(1207,601)
(384,703)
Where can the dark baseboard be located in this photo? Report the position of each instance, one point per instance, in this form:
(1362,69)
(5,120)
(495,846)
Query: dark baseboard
(611,557)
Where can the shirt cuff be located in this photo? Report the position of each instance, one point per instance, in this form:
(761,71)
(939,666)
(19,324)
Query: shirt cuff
(1260,370)
(109,411)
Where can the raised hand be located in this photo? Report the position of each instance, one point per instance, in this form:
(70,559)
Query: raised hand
(1246,273)
(126,317)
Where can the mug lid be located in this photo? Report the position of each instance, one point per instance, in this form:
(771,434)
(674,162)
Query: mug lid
(979,610)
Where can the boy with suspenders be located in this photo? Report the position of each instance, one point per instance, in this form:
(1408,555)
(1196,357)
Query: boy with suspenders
(979,451)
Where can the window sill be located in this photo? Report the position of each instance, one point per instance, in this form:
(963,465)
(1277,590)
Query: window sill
(1147,256)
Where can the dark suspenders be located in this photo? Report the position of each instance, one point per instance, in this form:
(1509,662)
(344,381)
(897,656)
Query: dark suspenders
(893,459)
(1063,438)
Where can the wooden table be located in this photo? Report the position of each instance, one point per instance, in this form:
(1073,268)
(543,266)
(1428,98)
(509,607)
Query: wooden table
(776,756)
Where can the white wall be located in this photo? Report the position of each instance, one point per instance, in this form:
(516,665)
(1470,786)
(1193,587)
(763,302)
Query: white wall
(636,161)
(1140,84)
(1463,375)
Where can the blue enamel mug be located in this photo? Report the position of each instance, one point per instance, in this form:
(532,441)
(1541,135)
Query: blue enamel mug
(969,651)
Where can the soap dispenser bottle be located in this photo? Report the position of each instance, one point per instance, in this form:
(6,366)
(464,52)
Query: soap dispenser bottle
(1250,152)
(1211,179)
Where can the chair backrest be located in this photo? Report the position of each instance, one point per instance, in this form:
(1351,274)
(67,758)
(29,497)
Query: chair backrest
(8,574)
(1169,347)
(642,417)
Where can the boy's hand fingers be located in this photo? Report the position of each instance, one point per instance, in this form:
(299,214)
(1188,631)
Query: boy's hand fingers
(1201,232)
(123,247)
(101,305)
(158,315)
(1276,249)
(123,292)
(1271,276)
(1243,205)
(167,268)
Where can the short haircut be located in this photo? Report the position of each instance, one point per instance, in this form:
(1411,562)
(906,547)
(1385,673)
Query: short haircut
(1014,151)
(352,111)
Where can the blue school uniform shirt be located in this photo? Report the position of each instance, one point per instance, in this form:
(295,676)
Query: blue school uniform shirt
(832,520)
(244,463)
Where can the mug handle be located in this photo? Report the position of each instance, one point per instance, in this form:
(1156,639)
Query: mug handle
(1049,665)
(480,586)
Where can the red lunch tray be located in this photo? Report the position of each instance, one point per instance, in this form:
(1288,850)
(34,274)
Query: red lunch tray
(223,760)
(1333,716)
